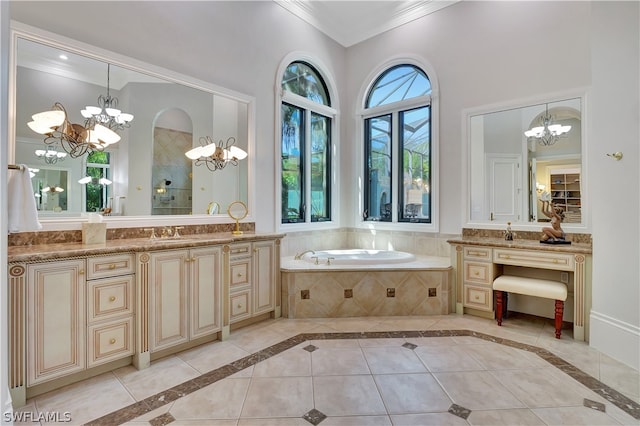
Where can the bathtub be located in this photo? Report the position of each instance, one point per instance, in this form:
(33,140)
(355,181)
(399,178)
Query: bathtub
(358,257)
(365,283)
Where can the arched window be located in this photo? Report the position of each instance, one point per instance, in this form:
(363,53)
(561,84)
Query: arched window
(398,147)
(306,124)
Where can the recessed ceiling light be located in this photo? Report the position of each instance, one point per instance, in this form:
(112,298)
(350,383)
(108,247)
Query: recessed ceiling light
(63,57)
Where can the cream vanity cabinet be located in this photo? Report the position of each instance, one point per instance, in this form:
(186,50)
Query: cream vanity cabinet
(478,274)
(183,294)
(66,316)
(252,278)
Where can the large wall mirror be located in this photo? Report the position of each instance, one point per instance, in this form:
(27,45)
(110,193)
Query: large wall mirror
(146,173)
(509,172)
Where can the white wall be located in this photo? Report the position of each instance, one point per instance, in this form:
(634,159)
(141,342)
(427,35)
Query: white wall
(614,117)
(483,53)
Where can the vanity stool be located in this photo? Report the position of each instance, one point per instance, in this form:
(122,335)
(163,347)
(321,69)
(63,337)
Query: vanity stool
(530,287)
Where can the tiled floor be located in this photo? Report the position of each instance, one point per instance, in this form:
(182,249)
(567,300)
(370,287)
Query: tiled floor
(437,370)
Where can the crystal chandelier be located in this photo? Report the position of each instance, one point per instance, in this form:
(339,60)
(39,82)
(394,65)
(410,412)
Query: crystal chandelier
(107,112)
(50,155)
(75,139)
(216,156)
(548,133)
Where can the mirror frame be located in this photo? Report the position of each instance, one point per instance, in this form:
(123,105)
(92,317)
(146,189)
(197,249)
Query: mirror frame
(20,30)
(584,225)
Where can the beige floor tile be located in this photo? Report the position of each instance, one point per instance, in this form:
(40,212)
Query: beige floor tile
(574,416)
(445,358)
(477,390)
(544,387)
(144,419)
(356,421)
(412,393)
(365,343)
(277,421)
(221,400)
(294,362)
(212,355)
(256,339)
(333,343)
(434,341)
(620,377)
(523,416)
(162,374)
(494,356)
(352,324)
(278,397)
(388,360)
(204,423)
(347,396)
(428,419)
(404,324)
(82,405)
(352,361)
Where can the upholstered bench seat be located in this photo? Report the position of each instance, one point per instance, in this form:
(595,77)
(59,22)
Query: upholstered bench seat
(530,287)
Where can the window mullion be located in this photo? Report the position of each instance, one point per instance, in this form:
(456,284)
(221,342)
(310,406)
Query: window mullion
(395,166)
(307,166)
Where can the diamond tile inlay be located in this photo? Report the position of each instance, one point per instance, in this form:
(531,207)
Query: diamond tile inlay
(459,411)
(409,346)
(594,405)
(314,416)
(310,348)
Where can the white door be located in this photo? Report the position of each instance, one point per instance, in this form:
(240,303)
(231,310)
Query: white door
(504,187)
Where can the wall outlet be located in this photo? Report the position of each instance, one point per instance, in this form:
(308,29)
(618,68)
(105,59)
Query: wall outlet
(564,277)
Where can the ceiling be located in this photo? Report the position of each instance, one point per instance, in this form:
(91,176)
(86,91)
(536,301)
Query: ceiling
(351,22)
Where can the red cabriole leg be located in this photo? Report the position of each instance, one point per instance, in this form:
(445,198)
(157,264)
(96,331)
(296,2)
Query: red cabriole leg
(499,307)
(559,311)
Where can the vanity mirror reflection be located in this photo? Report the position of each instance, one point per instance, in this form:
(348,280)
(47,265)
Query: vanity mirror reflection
(509,171)
(147,170)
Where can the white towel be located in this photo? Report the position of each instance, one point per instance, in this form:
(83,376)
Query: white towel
(23,215)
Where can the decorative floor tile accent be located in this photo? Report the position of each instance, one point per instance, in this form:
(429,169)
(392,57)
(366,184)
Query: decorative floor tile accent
(162,420)
(162,398)
(595,405)
(314,417)
(459,411)
(409,346)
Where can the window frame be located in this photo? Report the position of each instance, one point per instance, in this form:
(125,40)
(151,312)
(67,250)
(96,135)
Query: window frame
(286,97)
(404,105)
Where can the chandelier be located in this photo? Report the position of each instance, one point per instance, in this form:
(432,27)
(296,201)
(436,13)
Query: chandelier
(75,139)
(216,156)
(548,133)
(50,155)
(107,112)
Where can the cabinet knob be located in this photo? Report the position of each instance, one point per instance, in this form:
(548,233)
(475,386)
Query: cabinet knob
(112,299)
(81,272)
(239,306)
(112,266)
(476,273)
(477,297)
(112,341)
(239,275)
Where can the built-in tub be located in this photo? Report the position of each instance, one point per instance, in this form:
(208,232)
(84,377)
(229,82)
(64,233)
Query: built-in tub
(350,283)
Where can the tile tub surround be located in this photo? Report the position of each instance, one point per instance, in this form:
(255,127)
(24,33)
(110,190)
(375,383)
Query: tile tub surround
(420,287)
(75,236)
(462,369)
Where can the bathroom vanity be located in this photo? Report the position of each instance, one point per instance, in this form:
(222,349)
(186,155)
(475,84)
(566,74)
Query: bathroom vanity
(79,310)
(479,260)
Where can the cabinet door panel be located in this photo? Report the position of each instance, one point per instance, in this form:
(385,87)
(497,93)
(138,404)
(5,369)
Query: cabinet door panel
(55,320)
(264,277)
(168,299)
(205,291)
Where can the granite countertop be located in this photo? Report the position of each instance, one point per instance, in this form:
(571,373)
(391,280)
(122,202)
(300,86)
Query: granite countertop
(576,248)
(34,253)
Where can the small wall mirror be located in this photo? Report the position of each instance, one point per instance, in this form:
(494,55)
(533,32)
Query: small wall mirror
(147,168)
(508,171)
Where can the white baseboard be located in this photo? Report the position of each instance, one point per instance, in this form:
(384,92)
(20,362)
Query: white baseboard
(615,338)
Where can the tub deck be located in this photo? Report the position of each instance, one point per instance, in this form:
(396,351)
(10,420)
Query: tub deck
(419,287)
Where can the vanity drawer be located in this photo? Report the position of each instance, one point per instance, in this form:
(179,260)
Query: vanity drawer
(108,342)
(109,298)
(480,298)
(535,259)
(240,306)
(239,273)
(478,273)
(110,266)
(478,253)
(236,250)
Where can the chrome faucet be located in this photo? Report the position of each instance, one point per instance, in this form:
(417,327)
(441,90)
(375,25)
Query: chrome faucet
(299,255)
